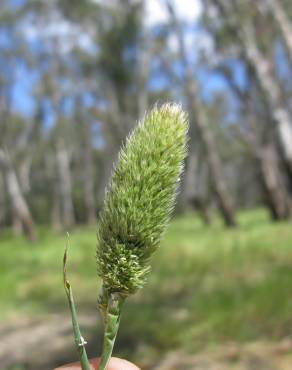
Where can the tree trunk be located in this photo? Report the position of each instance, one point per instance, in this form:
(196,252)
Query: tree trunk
(203,208)
(199,115)
(216,168)
(16,223)
(2,202)
(65,186)
(56,219)
(188,190)
(189,194)
(283,23)
(20,208)
(88,178)
(262,68)
(24,175)
(275,194)
(277,197)
(52,179)
(272,91)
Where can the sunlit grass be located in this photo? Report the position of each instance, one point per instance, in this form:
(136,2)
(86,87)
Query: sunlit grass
(208,284)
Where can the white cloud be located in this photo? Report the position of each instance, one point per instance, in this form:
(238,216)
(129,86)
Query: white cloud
(70,35)
(196,42)
(187,10)
(55,27)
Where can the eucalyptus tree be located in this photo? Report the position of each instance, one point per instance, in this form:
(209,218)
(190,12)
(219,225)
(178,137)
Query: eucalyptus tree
(59,86)
(239,21)
(195,192)
(200,120)
(15,131)
(13,134)
(124,77)
(117,72)
(256,132)
(278,11)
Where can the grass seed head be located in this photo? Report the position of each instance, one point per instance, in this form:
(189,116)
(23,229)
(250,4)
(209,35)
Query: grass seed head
(140,198)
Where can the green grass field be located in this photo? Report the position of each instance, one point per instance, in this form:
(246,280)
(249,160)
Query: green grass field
(208,284)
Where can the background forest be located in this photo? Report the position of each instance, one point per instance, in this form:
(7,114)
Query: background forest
(75,77)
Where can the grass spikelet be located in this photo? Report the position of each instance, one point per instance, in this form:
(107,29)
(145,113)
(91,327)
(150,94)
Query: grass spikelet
(137,208)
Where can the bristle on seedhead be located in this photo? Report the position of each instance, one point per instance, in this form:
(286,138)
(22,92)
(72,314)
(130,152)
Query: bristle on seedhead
(140,198)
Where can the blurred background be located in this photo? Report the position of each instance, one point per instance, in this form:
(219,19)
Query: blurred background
(75,76)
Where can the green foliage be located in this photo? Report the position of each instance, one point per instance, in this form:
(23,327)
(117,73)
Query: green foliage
(140,199)
(208,285)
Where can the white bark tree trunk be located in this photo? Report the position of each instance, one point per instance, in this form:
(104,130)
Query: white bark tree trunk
(270,86)
(21,210)
(201,120)
(262,67)
(54,196)
(56,219)
(24,174)
(284,24)
(276,196)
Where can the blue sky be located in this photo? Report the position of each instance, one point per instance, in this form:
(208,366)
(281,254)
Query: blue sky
(195,37)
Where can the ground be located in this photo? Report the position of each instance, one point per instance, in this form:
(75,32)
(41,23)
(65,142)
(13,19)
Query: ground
(216,298)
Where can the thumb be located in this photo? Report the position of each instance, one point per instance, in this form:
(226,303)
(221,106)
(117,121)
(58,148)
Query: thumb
(114,364)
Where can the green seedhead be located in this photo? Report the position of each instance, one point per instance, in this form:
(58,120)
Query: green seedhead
(137,207)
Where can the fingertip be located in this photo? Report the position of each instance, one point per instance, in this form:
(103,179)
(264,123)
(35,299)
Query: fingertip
(120,364)
(114,364)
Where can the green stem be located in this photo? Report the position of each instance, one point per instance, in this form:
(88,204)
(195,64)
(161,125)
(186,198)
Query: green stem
(79,340)
(112,317)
